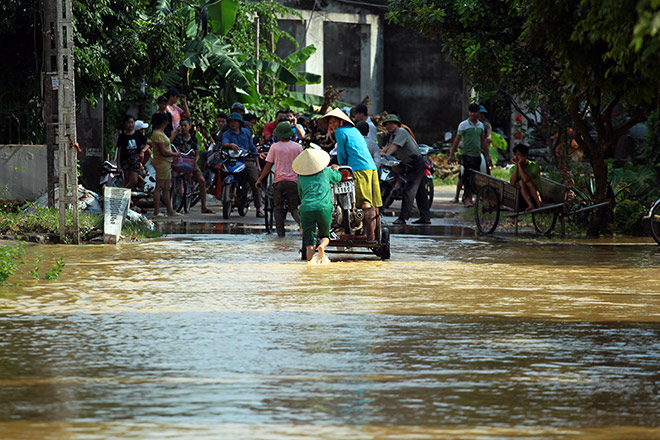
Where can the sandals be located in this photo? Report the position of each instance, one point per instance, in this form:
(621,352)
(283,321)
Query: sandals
(207,211)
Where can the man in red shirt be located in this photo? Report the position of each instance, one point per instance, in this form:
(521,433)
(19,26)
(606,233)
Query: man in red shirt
(270,127)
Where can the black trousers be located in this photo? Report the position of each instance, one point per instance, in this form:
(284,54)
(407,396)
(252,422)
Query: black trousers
(416,189)
(470,163)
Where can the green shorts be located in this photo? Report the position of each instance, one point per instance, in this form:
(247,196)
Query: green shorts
(309,220)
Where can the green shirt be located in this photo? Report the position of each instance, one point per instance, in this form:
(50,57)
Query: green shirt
(472,135)
(315,190)
(534,169)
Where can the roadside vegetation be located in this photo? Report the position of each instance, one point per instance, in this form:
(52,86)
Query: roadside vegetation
(579,76)
(15,223)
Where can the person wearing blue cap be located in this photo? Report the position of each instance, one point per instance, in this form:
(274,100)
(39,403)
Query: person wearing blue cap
(489,128)
(240,138)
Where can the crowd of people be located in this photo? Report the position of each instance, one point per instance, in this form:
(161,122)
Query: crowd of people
(305,190)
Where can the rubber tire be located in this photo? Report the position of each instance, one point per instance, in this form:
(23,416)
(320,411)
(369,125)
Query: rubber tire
(429,190)
(177,192)
(654,227)
(226,200)
(385,251)
(269,212)
(345,221)
(242,204)
(387,196)
(488,203)
(116,182)
(187,195)
(544,222)
(195,195)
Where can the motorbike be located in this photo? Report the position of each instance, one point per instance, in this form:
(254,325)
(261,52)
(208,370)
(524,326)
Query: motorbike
(227,180)
(111,175)
(345,214)
(392,182)
(347,233)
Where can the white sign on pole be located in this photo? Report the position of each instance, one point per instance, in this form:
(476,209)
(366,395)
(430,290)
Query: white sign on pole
(115,207)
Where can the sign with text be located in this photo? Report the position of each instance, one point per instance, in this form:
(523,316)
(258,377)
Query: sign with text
(115,207)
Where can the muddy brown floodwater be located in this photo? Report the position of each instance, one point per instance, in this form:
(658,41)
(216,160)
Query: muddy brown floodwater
(231,337)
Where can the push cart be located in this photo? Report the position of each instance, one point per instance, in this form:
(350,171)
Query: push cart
(496,197)
(347,234)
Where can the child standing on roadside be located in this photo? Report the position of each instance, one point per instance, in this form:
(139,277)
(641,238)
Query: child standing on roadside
(280,157)
(314,179)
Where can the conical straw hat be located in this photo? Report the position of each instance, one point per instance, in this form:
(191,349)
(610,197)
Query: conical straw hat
(310,162)
(337,113)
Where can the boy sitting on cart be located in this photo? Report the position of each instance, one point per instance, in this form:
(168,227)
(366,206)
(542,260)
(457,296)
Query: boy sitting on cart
(526,175)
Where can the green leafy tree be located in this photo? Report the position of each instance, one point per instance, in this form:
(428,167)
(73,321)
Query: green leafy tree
(223,54)
(577,54)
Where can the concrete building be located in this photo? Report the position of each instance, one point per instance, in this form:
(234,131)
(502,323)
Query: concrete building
(401,71)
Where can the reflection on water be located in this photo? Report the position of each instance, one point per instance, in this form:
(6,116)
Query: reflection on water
(231,336)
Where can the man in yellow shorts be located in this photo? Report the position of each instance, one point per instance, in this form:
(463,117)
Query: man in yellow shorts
(352,150)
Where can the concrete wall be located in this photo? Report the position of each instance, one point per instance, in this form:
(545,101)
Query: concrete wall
(89,127)
(23,171)
(349,46)
(401,71)
(422,85)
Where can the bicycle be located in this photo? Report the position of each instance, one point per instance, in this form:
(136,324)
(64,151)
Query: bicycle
(182,184)
(654,221)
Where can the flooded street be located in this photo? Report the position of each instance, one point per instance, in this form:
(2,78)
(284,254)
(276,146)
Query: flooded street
(230,336)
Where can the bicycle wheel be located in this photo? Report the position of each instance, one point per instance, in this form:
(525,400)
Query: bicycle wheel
(654,223)
(487,209)
(193,192)
(187,196)
(177,192)
(544,221)
(268,211)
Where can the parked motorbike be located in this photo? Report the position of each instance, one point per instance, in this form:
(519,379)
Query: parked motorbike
(345,214)
(226,178)
(392,182)
(111,175)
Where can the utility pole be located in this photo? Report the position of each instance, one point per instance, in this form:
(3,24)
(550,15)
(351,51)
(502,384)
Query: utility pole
(49,87)
(61,125)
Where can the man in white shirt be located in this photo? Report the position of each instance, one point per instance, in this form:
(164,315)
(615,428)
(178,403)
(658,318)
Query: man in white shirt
(361,114)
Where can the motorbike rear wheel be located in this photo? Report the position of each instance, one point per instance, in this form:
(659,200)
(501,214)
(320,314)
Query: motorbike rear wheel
(346,221)
(429,189)
(387,197)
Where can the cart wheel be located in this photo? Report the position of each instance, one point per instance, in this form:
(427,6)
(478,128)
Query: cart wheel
(544,222)
(385,244)
(654,223)
(487,209)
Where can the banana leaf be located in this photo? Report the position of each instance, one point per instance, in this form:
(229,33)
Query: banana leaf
(222,16)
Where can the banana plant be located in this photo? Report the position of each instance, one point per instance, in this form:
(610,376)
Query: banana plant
(211,66)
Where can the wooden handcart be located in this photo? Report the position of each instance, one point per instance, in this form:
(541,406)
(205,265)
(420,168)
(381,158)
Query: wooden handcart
(496,197)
